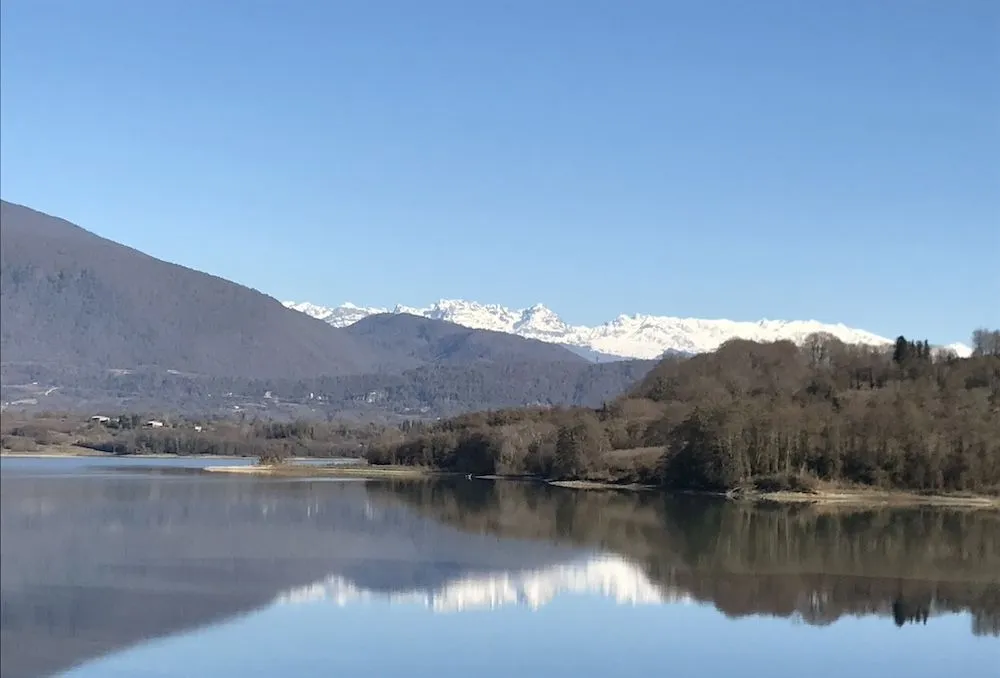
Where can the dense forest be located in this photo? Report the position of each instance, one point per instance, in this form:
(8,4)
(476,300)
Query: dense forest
(756,416)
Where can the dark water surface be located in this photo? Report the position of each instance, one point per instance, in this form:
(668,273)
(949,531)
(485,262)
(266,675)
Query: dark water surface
(155,568)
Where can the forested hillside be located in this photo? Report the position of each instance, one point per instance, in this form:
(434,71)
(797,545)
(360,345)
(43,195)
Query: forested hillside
(428,391)
(441,342)
(70,299)
(768,416)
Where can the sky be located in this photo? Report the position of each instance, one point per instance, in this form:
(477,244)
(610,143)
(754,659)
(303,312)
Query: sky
(779,159)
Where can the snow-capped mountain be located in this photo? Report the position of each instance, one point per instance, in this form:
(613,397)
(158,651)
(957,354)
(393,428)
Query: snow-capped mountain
(338,316)
(627,336)
(607,576)
(959,349)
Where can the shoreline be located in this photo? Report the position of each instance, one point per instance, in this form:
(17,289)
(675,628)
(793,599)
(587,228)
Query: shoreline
(597,485)
(359,471)
(108,455)
(70,451)
(853,497)
(865,497)
(834,496)
(73,451)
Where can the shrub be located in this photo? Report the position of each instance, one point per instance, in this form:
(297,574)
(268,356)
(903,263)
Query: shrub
(785,482)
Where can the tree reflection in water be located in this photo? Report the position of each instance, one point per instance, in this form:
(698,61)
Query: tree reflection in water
(814,562)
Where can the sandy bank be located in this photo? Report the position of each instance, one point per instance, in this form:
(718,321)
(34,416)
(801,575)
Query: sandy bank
(597,485)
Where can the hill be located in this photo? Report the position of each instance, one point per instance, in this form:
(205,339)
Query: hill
(70,299)
(442,342)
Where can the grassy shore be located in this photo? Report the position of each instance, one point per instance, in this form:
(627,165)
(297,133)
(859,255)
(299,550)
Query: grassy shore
(69,451)
(51,451)
(362,471)
(57,451)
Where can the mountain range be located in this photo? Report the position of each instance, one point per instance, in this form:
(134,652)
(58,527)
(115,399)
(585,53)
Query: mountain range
(86,319)
(627,336)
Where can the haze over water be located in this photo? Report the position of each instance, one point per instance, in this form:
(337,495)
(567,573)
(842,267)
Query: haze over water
(154,568)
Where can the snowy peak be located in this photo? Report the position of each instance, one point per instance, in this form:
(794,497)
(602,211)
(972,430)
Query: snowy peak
(339,316)
(539,321)
(470,314)
(627,336)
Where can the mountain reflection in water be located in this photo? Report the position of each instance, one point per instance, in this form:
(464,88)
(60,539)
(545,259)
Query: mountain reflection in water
(602,575)
(95,563)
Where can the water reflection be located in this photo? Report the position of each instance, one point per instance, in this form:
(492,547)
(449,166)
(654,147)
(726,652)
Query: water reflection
(813,563)
(95,562)
(607,576)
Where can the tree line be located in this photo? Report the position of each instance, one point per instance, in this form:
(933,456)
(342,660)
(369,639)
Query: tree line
(762,415)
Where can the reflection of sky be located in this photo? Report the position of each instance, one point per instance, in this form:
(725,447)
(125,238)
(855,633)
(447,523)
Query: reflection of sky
(572,636)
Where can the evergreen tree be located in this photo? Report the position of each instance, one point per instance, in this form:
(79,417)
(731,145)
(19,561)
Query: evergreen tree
(902,350)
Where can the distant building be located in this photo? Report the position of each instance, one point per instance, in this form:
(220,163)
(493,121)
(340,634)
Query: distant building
(197,428)
(153,423)
(100,419)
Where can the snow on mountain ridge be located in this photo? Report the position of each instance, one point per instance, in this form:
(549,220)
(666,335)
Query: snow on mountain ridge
(340,316)
(626,336)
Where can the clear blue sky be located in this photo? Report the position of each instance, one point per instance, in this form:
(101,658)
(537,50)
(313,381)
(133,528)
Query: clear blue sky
(781,159)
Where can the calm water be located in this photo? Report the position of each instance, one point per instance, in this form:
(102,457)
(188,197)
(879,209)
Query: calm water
(153,568)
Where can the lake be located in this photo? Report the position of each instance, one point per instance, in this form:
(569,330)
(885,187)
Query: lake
(153,567)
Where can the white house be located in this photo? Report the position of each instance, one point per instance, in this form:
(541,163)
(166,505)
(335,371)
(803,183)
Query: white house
(153,423)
